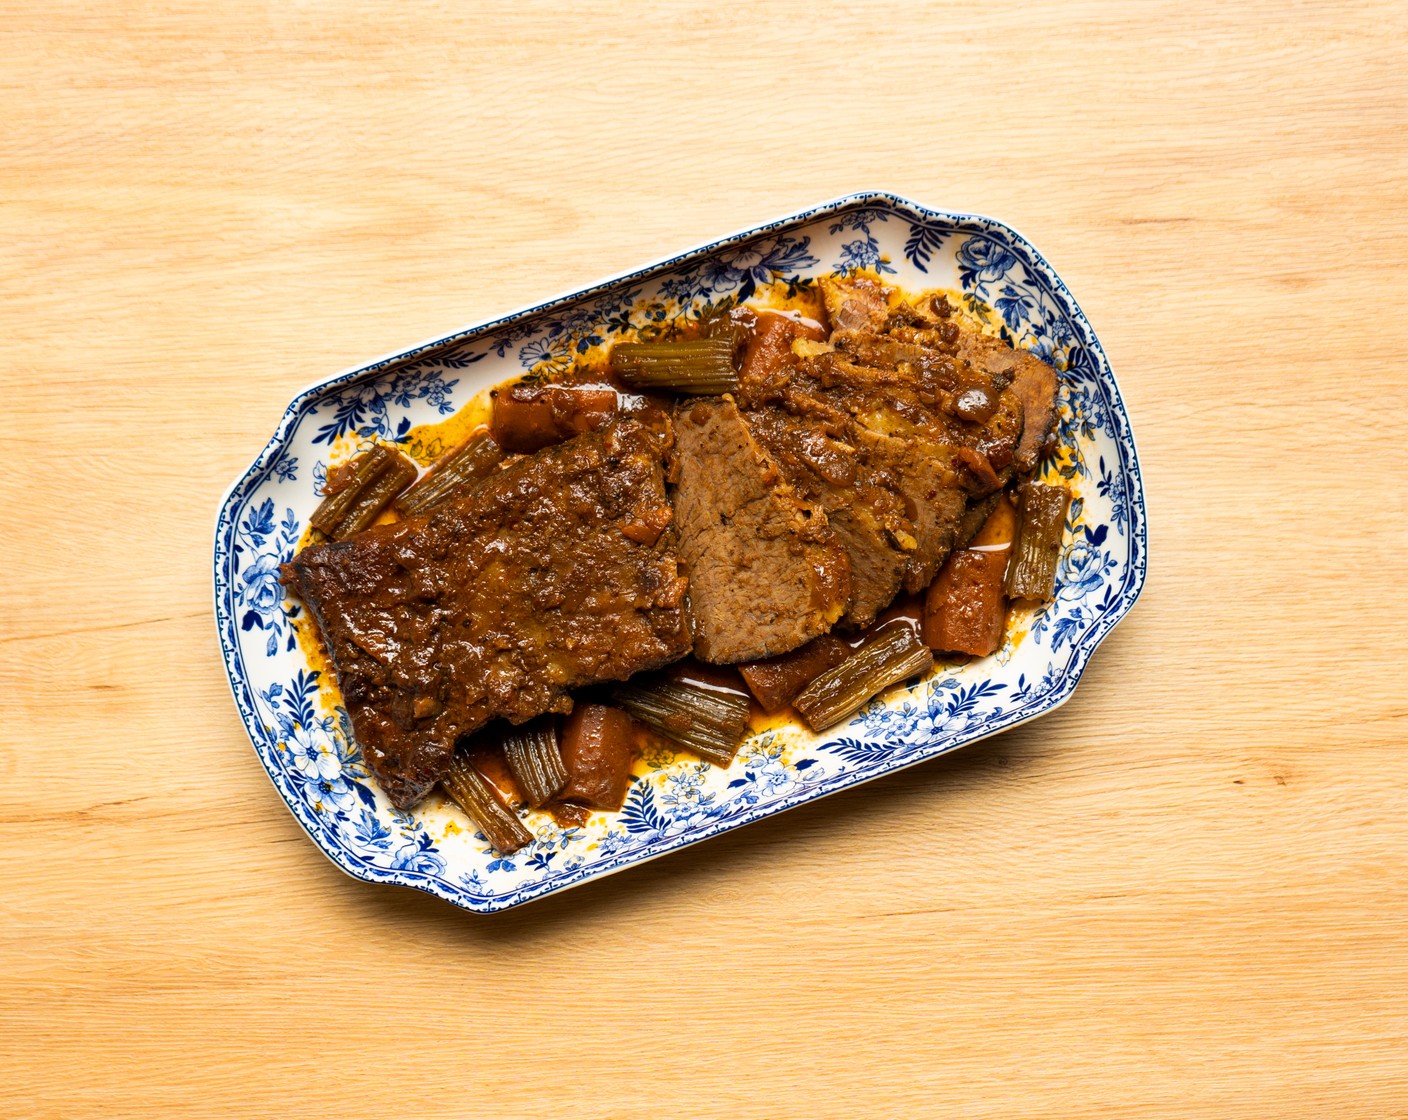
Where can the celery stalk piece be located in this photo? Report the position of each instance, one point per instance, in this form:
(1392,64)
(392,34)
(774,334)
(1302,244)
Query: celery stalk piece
(699,366)
(476,795)
(892,654)
(453,473)
(397,475)
(536,762)
(1041,524)
(710,722)
(371,481)
(356,476)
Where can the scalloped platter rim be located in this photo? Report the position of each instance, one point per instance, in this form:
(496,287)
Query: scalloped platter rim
(292,713)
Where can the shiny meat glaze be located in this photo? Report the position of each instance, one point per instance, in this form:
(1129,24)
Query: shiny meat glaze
(559,571)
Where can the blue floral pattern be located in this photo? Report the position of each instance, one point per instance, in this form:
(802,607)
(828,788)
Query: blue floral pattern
(322,766)
(734,275)
(301,732)
(863,252)
(260,547)
(992,276)
(377,407)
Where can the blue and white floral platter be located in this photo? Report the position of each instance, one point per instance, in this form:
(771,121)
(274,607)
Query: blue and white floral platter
(291,708)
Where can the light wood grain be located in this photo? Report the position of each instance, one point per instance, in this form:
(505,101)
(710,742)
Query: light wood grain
(1184,894)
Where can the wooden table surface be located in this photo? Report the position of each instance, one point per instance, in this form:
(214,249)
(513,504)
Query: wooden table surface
(1185,894)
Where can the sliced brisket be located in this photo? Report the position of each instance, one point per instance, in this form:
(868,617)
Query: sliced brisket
(1032,382)
(561,570)
(916,416)
(766,574)
(818,454)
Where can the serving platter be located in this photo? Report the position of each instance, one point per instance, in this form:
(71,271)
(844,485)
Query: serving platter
(288,700)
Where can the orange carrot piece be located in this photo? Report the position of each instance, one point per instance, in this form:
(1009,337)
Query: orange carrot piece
(965,609)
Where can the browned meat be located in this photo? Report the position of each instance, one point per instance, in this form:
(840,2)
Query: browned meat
(766,574)
(1029,382)
(863,510)
(934,497)
(815,443)
(558,571)
(974,516)
(893,425)
(1035,385)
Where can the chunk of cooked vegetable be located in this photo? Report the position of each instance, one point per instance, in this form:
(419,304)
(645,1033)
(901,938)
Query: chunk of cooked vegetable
(533,756)
(356,473)
(529,417)
(452,474)
(599,746)
(770,352)
(778,679)
(965,609)
(380,494)
(701,366)
(476,795)
(711,722)
(1041,524)
(892,654)
(360,489)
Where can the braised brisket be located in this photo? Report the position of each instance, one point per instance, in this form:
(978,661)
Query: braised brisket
(561,570)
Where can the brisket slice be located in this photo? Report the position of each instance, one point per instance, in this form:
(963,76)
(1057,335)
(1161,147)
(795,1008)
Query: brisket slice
(974,517)
(923,473)
(560,570)
(924,417)
(907,419)
(1032,382)
(890,494)
(812,443)
(818,454)
(766,574)
(857,303)
(978,410)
